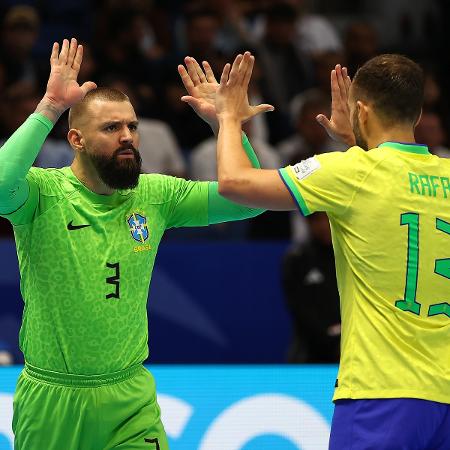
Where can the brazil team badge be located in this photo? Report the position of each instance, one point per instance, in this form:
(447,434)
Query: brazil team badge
(138,227)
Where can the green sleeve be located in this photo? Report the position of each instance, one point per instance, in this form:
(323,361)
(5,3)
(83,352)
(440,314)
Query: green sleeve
(250,152)
(198,203)
(16,158)
(222,210)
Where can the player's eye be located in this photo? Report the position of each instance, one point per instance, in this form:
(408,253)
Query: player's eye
(132,127)
(111,128)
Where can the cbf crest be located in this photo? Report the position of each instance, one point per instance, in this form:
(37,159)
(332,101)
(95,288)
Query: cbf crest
(138,227)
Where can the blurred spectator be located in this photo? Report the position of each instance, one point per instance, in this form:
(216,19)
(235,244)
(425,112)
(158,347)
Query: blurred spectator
(9,341)
(56,151)
(310,288)
(361,44)
(203,161)
(430,131)
(89,68)
(314,34)
(285,71)
(310,137)
(323,64)
(203,166)
(6,357)
(19,33)
(18,101)
(199,34)
(124,48)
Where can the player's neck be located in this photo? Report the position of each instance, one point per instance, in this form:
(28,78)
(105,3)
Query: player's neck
(89,177)
(404,135)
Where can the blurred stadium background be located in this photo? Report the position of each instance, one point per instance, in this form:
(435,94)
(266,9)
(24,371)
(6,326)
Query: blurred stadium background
(254,295)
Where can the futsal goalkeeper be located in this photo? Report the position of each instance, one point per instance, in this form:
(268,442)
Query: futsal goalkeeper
(87,237)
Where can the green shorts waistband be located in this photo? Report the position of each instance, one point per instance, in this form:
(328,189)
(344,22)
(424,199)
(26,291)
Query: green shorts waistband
(74,380)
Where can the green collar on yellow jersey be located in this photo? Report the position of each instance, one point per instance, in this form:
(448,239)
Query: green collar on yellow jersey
(419,149)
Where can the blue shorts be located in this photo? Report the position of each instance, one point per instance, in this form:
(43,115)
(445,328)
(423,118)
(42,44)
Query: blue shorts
(390,424)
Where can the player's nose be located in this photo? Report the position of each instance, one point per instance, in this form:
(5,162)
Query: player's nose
(126,136)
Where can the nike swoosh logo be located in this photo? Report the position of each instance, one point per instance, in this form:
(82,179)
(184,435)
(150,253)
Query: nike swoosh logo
(70,226)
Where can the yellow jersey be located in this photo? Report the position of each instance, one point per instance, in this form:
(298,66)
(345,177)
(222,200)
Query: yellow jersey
(389,211)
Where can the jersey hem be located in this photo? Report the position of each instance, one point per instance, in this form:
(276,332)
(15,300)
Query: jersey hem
(396,393)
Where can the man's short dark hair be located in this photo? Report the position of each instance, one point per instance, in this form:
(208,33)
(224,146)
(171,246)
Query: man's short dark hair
(101,93)
(394,85)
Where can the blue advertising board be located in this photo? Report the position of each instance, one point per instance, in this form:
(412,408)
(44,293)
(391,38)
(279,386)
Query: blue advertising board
(209,302)
(229,407)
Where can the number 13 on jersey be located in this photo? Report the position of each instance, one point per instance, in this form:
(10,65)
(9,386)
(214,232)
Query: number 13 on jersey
(441,267)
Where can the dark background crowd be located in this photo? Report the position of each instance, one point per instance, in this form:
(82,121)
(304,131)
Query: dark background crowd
(136,45)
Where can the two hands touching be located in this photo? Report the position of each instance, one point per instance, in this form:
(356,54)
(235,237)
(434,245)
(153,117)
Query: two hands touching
(209,99)
(212,100)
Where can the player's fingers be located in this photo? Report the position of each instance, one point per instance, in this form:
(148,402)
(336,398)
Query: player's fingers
(88,86)
(225,74)
(199,71)
(235,69)
(263,108)
(209,73)
(54,55)
(191,101)
(335,91)
(347,79)
(185,78)
(249,71)
(192,71)
(64,52)
(243,66)
(323,120)
(340,80)
(78,58)
(72,51)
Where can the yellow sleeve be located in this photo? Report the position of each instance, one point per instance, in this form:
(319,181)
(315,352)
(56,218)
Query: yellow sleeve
(326,182)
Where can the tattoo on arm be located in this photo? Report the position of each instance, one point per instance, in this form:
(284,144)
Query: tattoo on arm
(48,110)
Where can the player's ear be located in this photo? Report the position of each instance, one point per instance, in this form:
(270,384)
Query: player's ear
(418,119)
(76,140)
(362,111)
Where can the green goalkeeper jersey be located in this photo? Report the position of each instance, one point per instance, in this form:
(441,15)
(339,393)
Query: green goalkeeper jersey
(86,259)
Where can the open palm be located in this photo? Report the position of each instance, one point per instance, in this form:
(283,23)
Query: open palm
(63,90)
(201,85)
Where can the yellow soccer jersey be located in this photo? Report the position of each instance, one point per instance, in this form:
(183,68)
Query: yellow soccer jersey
(389,210)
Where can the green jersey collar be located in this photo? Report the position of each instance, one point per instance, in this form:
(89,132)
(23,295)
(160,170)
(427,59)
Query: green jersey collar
(114,199)
(419,149)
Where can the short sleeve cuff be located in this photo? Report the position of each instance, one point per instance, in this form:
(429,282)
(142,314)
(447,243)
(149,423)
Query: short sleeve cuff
(294,191)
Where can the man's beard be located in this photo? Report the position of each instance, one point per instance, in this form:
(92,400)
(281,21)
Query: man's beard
(118,173)
(360,141)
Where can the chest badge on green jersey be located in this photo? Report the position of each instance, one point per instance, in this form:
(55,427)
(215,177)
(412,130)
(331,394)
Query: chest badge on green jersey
(138,227)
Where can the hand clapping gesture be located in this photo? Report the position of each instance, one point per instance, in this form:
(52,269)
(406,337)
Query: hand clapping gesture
(63,90)
(202,88)
(339,126)
(231,97)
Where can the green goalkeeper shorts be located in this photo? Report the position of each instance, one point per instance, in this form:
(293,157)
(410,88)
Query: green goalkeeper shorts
(55,411)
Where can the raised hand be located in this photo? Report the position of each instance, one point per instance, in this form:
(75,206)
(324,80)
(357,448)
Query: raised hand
(201,85)
(339,126)
(231,97)
(63,90)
